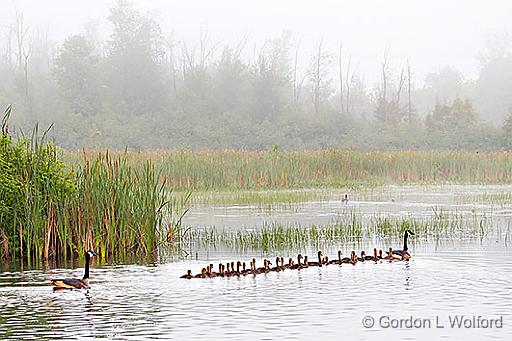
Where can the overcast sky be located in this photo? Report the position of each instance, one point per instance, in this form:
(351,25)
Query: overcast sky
(431,34)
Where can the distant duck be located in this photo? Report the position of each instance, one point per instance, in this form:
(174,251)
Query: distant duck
(405,250)
(76,283)
(345,199)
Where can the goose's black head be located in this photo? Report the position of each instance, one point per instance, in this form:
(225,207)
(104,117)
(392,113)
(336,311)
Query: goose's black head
(410,233)
(91,253)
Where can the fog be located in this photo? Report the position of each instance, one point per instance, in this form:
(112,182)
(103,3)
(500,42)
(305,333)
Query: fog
(408,64)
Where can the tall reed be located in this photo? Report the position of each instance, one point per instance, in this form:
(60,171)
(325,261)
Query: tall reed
(50,211)
(254,170)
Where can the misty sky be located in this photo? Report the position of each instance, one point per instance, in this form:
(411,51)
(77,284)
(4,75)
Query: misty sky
(431,34)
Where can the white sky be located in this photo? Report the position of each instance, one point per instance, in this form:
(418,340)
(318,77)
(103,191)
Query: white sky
(430,33)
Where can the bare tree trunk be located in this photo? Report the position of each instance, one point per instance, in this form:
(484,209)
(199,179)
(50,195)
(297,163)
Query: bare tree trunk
(295,85)
(341,79)
(172,64)
(409,102)
(385,74)
(317,79)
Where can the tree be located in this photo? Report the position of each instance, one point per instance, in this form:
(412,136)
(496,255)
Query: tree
(454,117)
(76,72)
(388,112)
(507,131)
(135,56)
(271,79)
(318,74)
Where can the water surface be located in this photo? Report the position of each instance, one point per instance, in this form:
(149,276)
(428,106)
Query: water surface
(447,277)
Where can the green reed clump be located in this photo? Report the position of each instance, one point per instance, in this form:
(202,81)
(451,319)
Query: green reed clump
(104,203)
(33,184)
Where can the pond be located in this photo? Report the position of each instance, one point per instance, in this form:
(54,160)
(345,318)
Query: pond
(466,280)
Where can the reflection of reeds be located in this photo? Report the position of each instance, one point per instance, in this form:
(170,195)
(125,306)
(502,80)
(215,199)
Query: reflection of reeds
(230,169)
(293,237)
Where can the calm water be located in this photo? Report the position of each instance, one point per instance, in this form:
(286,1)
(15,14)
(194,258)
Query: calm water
(446,278)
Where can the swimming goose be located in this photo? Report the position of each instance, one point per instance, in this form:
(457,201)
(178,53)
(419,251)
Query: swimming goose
(298,266)
(407,233)
(76,283)
(202,274)
(336,261)
(319,263)
(188,275)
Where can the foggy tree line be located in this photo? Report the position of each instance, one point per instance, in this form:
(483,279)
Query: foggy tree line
(143,89)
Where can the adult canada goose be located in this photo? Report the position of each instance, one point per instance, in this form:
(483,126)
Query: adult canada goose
(76,283)
(380,254)
(188,275)
(407,233)
(345,199)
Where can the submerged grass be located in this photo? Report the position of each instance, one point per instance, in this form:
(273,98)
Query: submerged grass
(295,237)
(266,198)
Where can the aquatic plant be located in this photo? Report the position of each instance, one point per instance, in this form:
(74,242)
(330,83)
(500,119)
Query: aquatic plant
(272,237)
(103,203)
(280,169)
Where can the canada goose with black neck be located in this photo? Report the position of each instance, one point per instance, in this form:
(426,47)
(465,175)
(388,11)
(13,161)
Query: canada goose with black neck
(76,283)
(407,233)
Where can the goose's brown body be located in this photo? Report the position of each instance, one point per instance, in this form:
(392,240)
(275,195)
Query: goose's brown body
(75,283)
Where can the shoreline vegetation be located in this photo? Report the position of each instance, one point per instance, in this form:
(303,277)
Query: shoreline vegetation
(55,204)
(235,170)
(50,211)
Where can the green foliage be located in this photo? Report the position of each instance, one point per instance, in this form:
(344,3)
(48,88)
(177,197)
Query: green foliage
(105,204)
(33,181)
(77,75)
